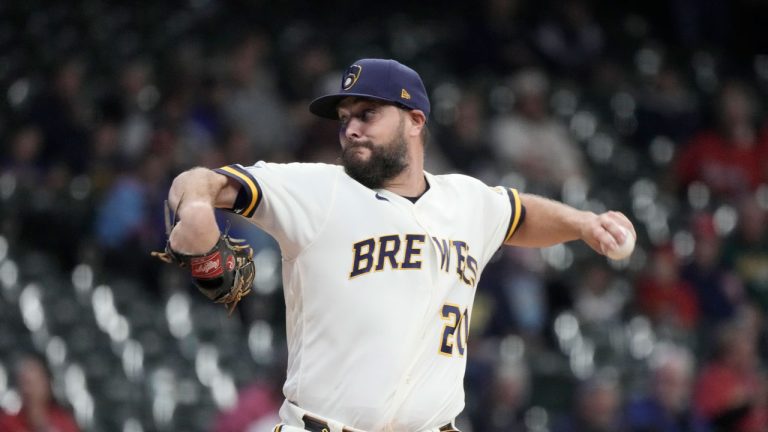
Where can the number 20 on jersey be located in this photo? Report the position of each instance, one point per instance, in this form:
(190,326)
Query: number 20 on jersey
(455,330)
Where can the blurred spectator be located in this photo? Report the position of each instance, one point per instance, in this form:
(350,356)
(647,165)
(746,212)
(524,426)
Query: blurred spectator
(730,159)
(309,69)
(139,96)
(129,220)
(570,39)
(205,123)
(22,158)
(596,408)
(516,283)
(253,104)
(701,24)
(746,250)
(22,162)
(532,142)
(465,142)
(731,390)
(127,107)
(505,400)
(105,161)
(501,27)
(753,318)
(53,215)
(310,73)
(39,410)
(667,299)
(599,299)
(237,147)
(61,112)
(718,291)
(667,107)
(609,78)
(668,406)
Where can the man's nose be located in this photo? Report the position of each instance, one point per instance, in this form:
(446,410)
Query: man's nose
(352,129)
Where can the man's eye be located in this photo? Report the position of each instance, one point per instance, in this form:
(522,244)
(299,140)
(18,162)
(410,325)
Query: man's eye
(367,114)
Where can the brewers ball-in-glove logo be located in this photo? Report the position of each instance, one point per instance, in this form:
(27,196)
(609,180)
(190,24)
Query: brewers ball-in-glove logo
(350,78)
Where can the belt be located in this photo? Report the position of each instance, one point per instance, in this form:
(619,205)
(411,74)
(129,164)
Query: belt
(313,424)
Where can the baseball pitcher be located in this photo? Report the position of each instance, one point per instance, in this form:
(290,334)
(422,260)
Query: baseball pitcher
(380,258)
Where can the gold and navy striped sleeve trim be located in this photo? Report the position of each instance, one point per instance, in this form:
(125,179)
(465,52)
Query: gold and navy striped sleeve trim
(249,196)
(518,213)
(278,428)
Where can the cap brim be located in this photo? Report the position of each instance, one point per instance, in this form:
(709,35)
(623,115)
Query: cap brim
(325,106)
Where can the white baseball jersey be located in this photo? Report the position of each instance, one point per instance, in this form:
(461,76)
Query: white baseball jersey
(378,289)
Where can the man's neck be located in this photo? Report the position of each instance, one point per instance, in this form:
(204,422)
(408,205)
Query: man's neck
(410,183)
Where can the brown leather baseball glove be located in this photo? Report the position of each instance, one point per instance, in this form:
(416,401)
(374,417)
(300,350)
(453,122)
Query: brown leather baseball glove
(224,274)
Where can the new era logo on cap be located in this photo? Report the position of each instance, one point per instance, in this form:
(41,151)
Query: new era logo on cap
(380,79)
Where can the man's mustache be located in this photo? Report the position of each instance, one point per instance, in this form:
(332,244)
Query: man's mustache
(355,144)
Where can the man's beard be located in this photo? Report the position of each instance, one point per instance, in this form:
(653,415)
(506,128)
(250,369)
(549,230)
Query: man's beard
(384,163)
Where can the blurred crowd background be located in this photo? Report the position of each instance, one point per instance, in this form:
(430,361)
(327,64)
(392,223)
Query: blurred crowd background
(656,109)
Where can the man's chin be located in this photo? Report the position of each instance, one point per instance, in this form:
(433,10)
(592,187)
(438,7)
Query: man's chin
(355,166)
(362,172)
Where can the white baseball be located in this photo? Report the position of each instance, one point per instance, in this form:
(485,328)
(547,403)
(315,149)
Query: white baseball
(623,250)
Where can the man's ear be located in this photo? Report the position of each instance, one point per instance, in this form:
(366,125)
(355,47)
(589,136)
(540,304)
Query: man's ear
(418,121)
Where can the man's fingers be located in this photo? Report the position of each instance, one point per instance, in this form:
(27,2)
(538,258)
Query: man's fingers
(601,239)
(607,231)
(625,222)
(611,230)
(618,225)
(618,232)
(607,241)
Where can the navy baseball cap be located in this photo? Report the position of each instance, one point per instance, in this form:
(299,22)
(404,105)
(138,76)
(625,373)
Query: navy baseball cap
(380,79)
